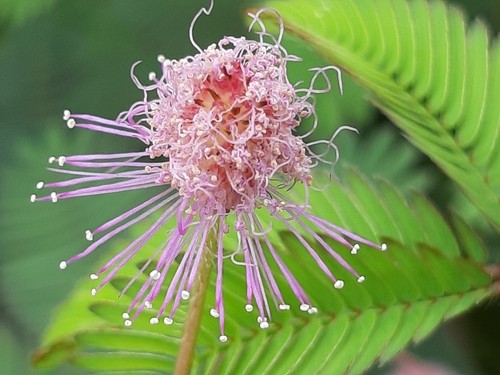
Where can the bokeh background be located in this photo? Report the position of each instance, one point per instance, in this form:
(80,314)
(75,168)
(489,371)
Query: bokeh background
(57,54)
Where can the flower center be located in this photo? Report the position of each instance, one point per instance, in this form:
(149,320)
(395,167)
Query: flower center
(226,128)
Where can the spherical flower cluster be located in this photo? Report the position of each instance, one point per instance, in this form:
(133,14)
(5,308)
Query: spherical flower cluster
(219,129)
(224,120)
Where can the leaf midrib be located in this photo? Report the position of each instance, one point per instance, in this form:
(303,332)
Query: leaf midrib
(328,317)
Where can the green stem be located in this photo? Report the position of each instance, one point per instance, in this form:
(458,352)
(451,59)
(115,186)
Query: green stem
(193,319)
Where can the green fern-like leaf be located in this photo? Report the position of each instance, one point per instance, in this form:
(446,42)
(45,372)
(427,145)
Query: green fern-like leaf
(408,291)
(435,76)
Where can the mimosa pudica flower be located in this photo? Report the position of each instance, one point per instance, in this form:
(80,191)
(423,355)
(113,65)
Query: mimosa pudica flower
(219,130)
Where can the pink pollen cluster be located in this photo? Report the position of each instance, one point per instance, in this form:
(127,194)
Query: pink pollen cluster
(224,121)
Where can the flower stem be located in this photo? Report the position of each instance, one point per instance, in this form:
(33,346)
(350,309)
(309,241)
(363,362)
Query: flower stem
(193,319)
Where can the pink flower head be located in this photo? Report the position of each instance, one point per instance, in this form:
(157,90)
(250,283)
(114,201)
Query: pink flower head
(219,128)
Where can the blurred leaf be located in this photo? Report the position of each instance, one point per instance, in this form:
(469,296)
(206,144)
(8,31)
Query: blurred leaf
(381,153)
(10,354)
(433,75)
(18,11)
(333,109)
(35,237)
(409,290)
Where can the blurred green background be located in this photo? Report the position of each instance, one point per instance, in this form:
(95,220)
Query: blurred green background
(77,54)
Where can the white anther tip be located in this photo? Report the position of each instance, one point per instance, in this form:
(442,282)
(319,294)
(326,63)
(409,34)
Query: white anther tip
(160,58)
(63,265)
(383,247)
(312,310)
(214,313)
(52,159)
(361,279)
(93,276)
(53,197)
(127,323)
(40,184)
(185,295)
(304,307)
(93,291)
(152,76)
(33,198)
(222,338)
(264,325)
(148,305)
(154,274)
(125,315)
(355,249)
(71,123)
(249,308)
(88,235)
(61,160)
(339,284)
(284,306)
(66,115)
(168,321)
(153,321)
